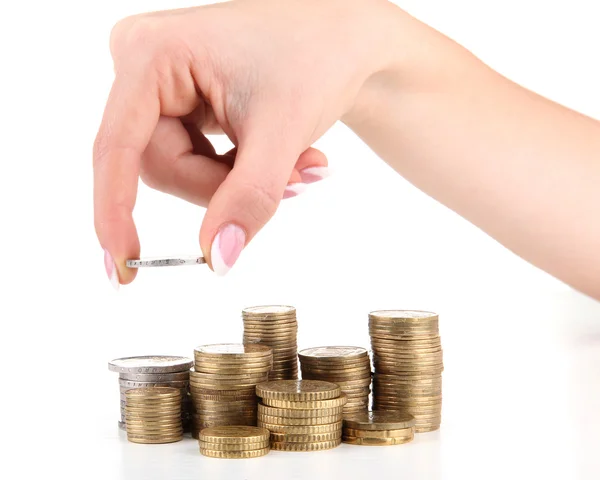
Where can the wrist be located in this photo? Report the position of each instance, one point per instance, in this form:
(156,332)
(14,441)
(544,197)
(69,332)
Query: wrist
(406,57)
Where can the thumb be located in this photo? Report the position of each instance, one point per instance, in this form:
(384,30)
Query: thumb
(249,196)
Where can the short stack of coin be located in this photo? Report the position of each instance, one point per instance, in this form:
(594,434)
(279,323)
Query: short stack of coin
(302,415)
(275,326)
(235,441)
(223,384)
(408,363)
(348,367)
(378,428)
(153,415)
(154,371)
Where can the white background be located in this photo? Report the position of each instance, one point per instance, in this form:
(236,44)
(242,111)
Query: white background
(522,351)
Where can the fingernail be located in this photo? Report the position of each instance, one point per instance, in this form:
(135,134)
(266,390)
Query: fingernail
(226,248)
(314,174)
(111,270)
(294,189)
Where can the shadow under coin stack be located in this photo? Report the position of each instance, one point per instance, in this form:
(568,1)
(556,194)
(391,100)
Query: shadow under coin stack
(223,384)
(154,371)
(302,415)
(379,428)
(277,327)
(348,367)
(234,442)
(407,358)
(154,415)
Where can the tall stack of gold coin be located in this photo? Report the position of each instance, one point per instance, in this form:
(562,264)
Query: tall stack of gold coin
(153,415)
(379,428)
(408,363)
(275,326)
(302,415)
(223,382)
(234,442)
(348,367)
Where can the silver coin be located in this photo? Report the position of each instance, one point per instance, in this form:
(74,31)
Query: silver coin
(150,364)
(164,262)
(155,377)
(130,384)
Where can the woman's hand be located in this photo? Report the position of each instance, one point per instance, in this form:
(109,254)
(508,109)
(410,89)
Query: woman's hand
(272,75)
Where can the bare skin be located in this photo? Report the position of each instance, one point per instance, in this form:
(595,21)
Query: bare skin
(276,75)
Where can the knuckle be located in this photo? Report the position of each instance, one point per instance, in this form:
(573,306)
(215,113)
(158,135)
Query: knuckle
(148,174)
(132,34)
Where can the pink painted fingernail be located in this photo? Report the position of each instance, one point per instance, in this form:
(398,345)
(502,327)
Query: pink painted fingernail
(226,248)
(111,270)
(294,189)
(314,174)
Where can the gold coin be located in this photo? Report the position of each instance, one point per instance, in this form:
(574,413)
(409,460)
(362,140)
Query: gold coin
(424,379)
(284,344)
(404,332)
(400,432)
(222,423)
(334,353)
(155,431)
(313,437)
(305,447)
(235,434)
(429,342)
(234,447)
(298,390)
(358,372)
(232,350)
(224,386)
(151,416)
(299,413)
(235,370)
(218,394)
(379,420)
(147,440)
(227,410)
(242,454)
(302,429)
(377,442)
(269,310)
(428,428)
(201,363)
(270,419)
(363,382)
(153,392)
(333,402)
(410,401)
(196,377)
(403,315)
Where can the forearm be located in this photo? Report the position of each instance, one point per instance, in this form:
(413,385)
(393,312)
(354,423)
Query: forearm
(523,169)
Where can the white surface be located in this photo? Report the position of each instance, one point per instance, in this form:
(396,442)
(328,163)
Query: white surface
(522,352)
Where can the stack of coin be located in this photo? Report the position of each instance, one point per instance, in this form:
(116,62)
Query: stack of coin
(348,367)
(302,415)
(234,442)
(154,415)
(276,327)
(154,371)
(378,428)
(407,358)
(223,383)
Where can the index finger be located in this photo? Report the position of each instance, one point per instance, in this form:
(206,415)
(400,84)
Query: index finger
(129,119)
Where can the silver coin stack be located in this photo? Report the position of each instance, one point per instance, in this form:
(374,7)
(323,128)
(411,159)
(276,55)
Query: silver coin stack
(154,371)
